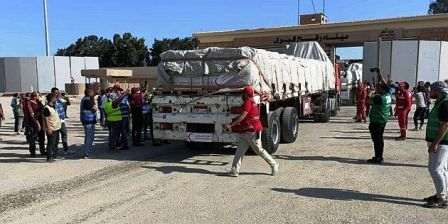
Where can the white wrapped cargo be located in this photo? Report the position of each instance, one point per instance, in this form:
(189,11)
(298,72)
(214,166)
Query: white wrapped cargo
(269,72)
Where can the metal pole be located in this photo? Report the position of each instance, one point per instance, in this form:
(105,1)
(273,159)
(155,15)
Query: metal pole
(323,7)
(47,38)
(298,10)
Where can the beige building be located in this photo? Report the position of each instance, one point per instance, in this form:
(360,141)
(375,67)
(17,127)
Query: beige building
(332,35)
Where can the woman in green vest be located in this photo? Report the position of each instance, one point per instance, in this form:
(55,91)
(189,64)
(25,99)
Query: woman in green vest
(437,138)
(379,115)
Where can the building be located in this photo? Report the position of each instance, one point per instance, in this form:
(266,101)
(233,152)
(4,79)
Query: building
(25,74)
(332,35)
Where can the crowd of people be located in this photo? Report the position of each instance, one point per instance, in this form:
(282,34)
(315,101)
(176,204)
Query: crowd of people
(43,119)
(380,112)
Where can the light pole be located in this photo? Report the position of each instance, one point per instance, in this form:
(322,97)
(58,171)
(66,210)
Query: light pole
(47,38)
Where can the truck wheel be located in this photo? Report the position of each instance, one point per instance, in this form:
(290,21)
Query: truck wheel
(324,117)
(334,106)
(270,137)
(289,125)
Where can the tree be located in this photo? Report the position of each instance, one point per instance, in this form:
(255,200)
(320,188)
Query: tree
(438,6)
(124,51)
(91,46)
(129,51)
(159,46)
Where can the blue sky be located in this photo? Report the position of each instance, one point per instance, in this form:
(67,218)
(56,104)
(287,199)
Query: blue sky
(21,25)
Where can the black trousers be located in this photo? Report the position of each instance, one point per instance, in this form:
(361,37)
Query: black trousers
(114,134)
(33,134)
(137,125)
(52,145)
(63,136)
(377,134)
(419,115)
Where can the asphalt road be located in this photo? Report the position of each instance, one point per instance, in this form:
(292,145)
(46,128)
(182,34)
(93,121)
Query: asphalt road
(323,179)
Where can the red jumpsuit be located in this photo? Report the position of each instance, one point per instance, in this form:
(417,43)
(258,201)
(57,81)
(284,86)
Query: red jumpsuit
(361,96)
(403,107)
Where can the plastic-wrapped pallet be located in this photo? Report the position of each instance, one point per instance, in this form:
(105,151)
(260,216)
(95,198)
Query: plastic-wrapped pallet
(269,72)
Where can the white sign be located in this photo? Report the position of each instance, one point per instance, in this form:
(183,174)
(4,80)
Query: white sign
(199,137)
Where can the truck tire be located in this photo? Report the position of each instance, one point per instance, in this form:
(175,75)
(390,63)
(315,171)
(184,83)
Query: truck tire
(270,137)
(289,125)
(324,117)
(334,106)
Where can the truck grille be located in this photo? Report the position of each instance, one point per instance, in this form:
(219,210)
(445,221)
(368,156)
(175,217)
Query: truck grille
(201,128)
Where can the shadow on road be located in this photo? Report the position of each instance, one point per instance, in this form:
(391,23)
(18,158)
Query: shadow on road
(368,137)
(348,195)
(343,160)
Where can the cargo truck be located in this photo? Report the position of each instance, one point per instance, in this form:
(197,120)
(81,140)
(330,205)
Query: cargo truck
(199,91)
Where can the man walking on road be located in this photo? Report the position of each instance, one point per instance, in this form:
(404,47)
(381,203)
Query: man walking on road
(379,115)
(437,138)
(248,126)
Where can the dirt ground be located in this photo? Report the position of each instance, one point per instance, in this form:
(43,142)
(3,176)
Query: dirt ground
(323,179)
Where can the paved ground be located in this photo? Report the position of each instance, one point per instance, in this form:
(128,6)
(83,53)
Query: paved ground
(323,179)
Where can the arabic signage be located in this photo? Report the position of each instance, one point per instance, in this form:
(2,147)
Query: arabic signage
(317,37)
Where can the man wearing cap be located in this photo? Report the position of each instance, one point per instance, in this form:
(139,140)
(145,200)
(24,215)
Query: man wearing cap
(437,138)
(402,108)
(248,126)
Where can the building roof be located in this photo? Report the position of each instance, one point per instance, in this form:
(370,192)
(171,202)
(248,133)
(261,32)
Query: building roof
(412,19)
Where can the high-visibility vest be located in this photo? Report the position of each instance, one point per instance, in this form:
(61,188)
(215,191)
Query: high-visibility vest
(432,129)
(112,114)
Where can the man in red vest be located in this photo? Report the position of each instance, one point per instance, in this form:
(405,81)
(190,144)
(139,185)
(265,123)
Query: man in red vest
(402,108)
(248,126)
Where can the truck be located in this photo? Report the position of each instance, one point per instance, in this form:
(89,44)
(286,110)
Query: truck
(199,91)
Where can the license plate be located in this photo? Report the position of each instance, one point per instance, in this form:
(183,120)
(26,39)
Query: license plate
(199,137)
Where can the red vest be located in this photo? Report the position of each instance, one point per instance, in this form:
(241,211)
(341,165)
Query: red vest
(251,123)
(404,100)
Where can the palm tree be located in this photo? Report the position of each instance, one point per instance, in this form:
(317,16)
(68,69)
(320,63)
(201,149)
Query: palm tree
(438,6)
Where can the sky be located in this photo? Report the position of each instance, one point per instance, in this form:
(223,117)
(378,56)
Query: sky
(21,21)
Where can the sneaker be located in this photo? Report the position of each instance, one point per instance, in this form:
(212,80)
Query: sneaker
(375,160)
(85,157)
(233,173)
(437,203)
(275,170)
